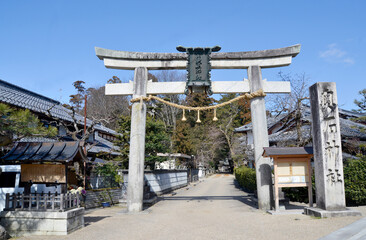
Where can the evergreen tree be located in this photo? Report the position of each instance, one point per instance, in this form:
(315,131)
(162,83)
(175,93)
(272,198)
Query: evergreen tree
(77,99)
(16,124)
(156,141)
(361,104)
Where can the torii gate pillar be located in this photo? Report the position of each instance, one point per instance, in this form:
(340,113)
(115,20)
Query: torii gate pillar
(137,144)
(260,137)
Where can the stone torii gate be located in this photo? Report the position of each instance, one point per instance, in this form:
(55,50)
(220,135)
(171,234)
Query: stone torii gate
(141,62)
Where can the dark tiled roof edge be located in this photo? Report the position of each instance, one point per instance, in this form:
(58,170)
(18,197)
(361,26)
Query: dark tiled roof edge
(28,91)
(20,97)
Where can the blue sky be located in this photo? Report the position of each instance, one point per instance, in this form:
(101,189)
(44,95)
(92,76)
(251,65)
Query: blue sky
(47,45)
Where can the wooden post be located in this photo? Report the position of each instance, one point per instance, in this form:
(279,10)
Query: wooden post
(53,202)
(310,187)
(70,200)
(86,97)
(7,200)
(65,190)
(45,201)
(62,201)
(277,200)
(15,200)
(37,201)
(22,196)
(29,201)
(77,200)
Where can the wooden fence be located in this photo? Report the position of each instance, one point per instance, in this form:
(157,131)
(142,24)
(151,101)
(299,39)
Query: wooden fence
(41,202)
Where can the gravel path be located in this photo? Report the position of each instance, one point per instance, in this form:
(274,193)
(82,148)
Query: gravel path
(211,209)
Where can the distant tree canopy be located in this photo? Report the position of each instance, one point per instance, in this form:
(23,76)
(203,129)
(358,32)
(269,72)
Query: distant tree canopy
(100,107)
(361,104)
(18,123)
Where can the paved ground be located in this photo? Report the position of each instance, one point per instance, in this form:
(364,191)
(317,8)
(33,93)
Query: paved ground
(211,209)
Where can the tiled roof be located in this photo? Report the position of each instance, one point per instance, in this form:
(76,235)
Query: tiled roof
(43,152)
(37,139)
(100,144)
(351,114)
(291,135)
(23,98)
(349,129)
(270,122)
(277,151)
(104,146)
(352,129)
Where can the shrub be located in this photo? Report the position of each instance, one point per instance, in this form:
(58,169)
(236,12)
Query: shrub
(355,181)
(246,178)
(300,194)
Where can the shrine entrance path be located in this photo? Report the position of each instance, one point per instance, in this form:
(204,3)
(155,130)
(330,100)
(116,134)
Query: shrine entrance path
(210,209)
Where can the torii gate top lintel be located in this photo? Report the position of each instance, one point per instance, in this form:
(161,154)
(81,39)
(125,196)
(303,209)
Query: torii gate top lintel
(219,60)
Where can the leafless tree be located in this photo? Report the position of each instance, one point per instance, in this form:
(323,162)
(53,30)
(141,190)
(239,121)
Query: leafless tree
(209,146)
(292,103)
(167,113)
(106,109)
(226,125)
(282,103)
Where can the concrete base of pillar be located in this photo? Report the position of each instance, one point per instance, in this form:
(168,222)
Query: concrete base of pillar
(286,212)
(318,212)
(143,212)
(146,203)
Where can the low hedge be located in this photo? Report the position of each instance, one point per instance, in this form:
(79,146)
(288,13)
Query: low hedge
(354,171)
(300,194)
(246,178)
(355,181)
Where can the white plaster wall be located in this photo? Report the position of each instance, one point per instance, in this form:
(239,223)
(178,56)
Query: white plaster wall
(164,181)
(250,139)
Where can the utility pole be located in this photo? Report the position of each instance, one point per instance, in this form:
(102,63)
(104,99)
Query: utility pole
(85,140)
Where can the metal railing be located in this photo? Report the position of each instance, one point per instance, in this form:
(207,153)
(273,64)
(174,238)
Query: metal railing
(41,202)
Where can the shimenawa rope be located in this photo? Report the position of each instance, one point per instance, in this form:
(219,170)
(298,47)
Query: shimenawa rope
(248,96)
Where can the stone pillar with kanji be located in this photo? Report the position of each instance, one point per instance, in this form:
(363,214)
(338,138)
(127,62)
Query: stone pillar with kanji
(328,164)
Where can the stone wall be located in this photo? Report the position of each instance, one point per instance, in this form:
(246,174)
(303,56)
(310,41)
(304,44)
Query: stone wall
(93,198)
(157,183)
(23,223)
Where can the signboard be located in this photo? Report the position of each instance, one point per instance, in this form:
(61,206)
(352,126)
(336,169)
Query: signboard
(43,173)
(292,172)
(198,69)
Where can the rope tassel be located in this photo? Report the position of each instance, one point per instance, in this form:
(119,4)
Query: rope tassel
(184,116)
(198,117)
(215,118)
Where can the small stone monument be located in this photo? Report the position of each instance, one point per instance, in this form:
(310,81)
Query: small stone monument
(329,182)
